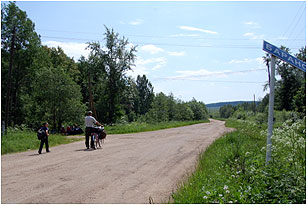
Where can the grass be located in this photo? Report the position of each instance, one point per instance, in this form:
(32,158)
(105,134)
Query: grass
(17,140)
(135,127)
(22,140)
(232,169)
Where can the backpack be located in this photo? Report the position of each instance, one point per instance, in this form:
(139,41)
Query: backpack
(41,133)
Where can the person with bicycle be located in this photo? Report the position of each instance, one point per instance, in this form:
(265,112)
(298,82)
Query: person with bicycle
(90,122)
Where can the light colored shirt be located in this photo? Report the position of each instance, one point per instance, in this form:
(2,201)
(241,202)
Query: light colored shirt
(90,121)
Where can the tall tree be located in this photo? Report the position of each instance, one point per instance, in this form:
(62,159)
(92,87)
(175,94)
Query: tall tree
(116,58)
(19,43)
(129,99)
(145,95)
(292,79)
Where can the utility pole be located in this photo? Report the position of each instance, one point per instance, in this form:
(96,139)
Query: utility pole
(271,112)
(8,92)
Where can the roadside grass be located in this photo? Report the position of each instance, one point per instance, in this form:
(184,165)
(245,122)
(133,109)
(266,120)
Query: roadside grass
(17,140)
(22,140)
(135,127)
(232,169)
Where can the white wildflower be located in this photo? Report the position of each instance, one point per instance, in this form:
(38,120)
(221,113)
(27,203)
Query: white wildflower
(225,187)
(205,197)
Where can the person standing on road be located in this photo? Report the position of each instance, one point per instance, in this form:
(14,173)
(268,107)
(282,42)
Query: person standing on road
(90,122)
(44,139)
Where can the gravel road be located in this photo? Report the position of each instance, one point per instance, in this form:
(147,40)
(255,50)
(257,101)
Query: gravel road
(130,168)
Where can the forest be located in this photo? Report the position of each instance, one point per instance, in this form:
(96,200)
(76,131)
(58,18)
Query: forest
(42,84)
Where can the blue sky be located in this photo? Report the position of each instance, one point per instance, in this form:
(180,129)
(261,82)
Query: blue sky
(209,50)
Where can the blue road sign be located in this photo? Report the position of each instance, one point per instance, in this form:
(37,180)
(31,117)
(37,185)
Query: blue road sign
(282,55)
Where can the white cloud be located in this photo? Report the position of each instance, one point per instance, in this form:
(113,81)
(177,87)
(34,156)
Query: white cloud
(152,49)
(203,73)
(247,60)
(153,63)
(144,66)
(181,53)
(185,35)
(136,22)
(189,28)
(253,25)
(248,34)
(72,49)
(253,36)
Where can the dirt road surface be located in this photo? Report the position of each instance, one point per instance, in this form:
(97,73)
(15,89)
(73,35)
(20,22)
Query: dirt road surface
(130,168)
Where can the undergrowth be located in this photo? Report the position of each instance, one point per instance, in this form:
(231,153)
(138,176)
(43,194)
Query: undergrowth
(233,170)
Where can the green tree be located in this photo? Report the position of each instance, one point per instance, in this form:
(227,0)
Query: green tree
(263,106)
(292,79)
(199,109)
(226,111)
(159,110)
(183,111)
(116,58)
(129,99)
(19,44)
(56,98)
(145,95)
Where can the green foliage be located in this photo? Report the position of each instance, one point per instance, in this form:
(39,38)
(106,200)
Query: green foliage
(159,110)
(226,111)
(183,111)
(199,109)
(290,89)
(55,97)
(145,95)
(167,108)
(18,140)
(19,45)
(299,100)
(232,169)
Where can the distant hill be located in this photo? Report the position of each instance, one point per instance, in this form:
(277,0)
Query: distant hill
(234,103)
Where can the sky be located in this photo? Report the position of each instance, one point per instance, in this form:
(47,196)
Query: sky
(207,50)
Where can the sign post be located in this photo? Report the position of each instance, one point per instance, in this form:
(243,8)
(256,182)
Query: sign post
(271,111)
(284,56)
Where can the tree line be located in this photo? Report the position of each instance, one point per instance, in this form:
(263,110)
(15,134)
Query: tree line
(290,90)
(44,84)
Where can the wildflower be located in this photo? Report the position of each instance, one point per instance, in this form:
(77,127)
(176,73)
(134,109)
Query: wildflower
(225,187)
(205,197)
(227,191)
(230,202)
(220,195)
(208,192)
